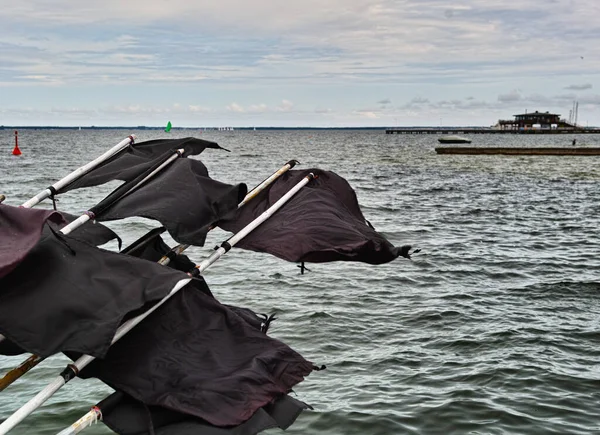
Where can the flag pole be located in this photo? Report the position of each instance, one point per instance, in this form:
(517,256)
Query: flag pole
(250,195)
(267,181)
(232,241)
(19,371)
(88,215)
(92,417)
(14,374)
(78,173)
(73,369)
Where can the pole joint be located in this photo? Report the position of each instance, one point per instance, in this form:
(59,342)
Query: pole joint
(69,372)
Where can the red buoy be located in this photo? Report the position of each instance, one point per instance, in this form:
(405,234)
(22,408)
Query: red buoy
(16,150)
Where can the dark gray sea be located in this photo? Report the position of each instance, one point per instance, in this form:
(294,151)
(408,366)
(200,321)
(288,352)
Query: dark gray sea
(493,328)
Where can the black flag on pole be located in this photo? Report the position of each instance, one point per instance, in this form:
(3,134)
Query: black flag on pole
(20,230)
(127,416)
(137,159)
(152,247)
(198,357)
(322,222)
(69,296)
(182,197)
(91,232)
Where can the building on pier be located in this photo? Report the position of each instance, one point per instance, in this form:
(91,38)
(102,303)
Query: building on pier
(534,120)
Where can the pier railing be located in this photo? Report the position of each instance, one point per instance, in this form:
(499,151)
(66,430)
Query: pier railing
(485,130)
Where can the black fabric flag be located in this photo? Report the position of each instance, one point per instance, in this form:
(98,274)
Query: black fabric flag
(182,197)
(136,159)
(127,416)
(198,357)
(70,296)
(152,247)
(20,230)
(91,232)
(322,222)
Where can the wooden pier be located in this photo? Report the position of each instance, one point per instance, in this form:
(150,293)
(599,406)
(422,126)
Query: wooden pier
(474,130)
(530,151)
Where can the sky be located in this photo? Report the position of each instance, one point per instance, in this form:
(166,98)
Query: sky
(322,63)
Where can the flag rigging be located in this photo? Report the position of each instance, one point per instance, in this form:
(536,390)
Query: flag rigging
(269,386)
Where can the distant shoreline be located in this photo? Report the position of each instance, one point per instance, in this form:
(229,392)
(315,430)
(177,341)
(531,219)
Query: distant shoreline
(141,127)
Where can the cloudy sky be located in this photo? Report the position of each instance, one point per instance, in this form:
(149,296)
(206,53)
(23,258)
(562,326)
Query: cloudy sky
(296,62)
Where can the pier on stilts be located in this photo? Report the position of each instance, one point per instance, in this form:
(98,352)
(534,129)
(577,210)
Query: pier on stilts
(482,130)
(523,151)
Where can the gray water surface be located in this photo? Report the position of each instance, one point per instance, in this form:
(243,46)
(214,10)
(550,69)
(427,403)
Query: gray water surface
(492,328)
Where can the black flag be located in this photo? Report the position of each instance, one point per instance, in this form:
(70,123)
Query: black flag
(322,222)
(20,230)
(154,248)
(182,197)
(198,357)
(127,416)
(136,159)
(91,232)
(69,296)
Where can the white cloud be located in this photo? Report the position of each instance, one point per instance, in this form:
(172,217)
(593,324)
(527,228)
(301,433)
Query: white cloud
(428,56)
(367,114)
(235,107)
(258,108)
(285,106)
(198,109)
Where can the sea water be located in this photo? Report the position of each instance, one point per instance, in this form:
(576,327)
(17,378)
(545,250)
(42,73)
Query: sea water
(493,328)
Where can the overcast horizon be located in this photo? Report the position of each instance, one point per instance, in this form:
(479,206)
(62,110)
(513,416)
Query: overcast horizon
(327,63)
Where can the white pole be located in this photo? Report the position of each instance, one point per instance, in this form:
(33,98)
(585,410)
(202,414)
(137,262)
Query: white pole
(88,216)
(76,367)
(95,414)
(92,417)
(67,229)
(73,369)
(252,225)
(77,173)
(289,165)
(250,195)
(14,374)
(178,153)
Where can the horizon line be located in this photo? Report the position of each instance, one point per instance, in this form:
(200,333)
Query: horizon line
(225,128)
